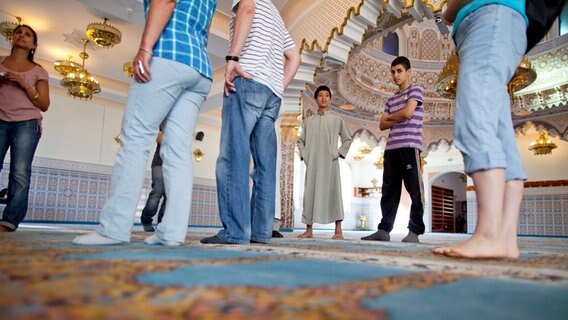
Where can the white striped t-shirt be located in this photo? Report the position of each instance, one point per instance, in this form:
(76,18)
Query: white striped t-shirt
(263,53)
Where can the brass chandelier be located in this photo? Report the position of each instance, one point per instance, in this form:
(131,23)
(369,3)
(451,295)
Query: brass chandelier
(79,83)
(103,34)
(542,145)
(7,28)
(67,66)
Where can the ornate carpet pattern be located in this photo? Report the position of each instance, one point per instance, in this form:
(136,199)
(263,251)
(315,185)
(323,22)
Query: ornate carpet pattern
(44,276)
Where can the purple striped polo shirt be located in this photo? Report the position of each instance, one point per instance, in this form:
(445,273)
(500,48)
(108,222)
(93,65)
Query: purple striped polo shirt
(407,134)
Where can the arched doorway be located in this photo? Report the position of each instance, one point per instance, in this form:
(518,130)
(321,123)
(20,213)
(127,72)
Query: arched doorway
(448,202)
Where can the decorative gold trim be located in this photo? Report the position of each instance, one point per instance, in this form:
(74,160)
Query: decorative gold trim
(335,31)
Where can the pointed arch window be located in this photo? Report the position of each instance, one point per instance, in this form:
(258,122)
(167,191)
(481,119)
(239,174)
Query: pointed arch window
(390,44)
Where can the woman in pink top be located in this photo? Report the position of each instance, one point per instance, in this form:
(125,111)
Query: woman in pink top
(24,95)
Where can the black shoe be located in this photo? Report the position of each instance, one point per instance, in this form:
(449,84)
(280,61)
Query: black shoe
(411,237)
(380,235)
(277,234)
(215,240)
(148,228)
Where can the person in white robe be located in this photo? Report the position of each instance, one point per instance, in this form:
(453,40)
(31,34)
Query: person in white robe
(318,145)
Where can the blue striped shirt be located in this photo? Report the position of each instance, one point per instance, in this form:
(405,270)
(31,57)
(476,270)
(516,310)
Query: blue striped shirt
(184,39)
(517,5)
(406,134)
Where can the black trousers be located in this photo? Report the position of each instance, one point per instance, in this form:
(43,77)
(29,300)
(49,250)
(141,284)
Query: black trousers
(402,165)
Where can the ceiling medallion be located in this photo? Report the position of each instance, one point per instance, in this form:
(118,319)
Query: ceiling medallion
(80,84)
(7,28)
(103,34)
(542,146)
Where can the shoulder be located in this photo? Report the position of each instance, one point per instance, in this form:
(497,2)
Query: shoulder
(39,70)
(415,89)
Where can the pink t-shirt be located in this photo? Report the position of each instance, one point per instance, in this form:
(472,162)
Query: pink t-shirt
(14,102)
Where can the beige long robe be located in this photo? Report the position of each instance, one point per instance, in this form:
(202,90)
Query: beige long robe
(318,149)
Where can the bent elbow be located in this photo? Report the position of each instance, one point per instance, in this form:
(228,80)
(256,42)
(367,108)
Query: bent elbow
(44,107)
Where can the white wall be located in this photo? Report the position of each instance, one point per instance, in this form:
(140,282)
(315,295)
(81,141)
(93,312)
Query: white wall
(84,131)
(79,130)
(549,167)
(205,169)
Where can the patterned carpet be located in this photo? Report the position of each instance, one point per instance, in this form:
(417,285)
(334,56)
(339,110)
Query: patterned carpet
(44,276)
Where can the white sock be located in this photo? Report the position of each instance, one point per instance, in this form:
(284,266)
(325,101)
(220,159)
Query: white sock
(153,239)
(94,238)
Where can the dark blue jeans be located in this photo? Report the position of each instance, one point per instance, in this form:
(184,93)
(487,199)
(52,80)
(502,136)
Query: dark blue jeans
(247,129)
(21,138)
(158,192)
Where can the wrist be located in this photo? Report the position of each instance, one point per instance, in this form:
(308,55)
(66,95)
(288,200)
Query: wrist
(146,51)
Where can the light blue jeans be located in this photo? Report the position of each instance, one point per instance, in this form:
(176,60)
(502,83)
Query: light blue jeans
(490,43)
(173,96)
(247,129)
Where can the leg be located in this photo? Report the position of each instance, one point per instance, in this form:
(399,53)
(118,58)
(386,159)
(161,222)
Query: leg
(309,233)
(494,35)
(338,235)
(147,106)
(177,155)
(5,137)
(391,189)
(162,208)
(154,197)
(263,151)
(414,186)
(239,117)
(511,208)
(487,241)
(24,138)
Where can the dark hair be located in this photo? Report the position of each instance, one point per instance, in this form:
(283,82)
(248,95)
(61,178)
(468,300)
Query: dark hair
(401,60)
(322,88)
(32,51)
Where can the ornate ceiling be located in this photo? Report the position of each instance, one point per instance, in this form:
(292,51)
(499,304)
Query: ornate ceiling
(362,76)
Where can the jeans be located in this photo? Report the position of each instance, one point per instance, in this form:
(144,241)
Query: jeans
(22,138)
(247,129)
(490,43)
(153,203)
(174,97)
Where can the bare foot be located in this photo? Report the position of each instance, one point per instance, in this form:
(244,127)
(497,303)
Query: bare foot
(478,247)
(337,236)
(306,235)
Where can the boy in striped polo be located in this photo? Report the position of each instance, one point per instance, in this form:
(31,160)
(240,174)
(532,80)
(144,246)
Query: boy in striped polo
(403,115)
